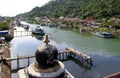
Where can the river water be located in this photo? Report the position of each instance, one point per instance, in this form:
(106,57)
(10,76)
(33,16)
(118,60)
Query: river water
(104,52)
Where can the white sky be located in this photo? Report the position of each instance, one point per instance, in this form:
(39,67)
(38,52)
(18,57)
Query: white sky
(14,7)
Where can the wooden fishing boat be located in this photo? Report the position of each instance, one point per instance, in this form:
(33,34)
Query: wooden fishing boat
(114,75)
(103,34)
(38,31)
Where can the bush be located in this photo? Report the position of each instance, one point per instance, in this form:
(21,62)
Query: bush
(4,26)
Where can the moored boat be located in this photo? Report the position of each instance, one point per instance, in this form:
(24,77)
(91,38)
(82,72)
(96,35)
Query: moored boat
(114,75)
(4,32)
(26,27)
(38,31)
(103,34)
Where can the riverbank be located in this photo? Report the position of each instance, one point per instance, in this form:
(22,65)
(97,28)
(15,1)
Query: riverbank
(88,29)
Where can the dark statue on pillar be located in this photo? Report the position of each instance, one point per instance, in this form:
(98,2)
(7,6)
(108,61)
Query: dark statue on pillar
(46,55)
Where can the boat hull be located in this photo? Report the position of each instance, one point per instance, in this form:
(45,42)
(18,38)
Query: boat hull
(3,32)
(115,75)
(38,31)
(103,35)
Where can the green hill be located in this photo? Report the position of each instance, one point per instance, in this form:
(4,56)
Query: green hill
(76,8)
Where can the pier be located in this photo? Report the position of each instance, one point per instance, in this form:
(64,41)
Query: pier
(22,33)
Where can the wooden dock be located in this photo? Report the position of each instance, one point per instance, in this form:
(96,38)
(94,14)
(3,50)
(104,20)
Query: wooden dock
(62,56)
(80,56)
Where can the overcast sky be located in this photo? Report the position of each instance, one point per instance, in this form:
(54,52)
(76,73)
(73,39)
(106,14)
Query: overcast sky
(14,7)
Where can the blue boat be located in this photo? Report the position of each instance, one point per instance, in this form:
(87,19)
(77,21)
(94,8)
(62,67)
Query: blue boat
(2,33)
(103,34)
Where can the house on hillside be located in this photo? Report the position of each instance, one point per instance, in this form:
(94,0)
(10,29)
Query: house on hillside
(115,24)
(37,19)
(91,23)
(7,18)
(68,19)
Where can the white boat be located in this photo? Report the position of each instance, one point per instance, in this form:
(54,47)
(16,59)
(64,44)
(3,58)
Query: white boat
(38,31)
(103,34)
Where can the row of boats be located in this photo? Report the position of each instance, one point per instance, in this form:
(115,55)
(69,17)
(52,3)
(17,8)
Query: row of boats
(39,31)
(36,31)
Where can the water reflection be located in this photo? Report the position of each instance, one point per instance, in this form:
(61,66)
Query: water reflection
(38,37)
(82,64)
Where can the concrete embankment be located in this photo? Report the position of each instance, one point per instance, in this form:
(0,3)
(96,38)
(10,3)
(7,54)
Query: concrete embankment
(5,65)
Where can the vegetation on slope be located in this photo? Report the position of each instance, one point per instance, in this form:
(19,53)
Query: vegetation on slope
(77,8)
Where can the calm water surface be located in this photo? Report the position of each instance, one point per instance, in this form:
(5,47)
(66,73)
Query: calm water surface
(105,52)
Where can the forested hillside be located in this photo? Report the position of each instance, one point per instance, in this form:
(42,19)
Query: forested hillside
(77,8)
